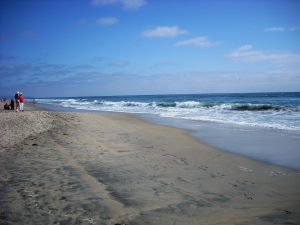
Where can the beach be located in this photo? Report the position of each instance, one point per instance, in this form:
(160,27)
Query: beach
(110,168)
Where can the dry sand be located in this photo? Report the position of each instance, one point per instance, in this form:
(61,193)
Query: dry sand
(86,168)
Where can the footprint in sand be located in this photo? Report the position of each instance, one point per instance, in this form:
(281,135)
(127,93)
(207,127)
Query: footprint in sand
(183,180)
(277,173)
(287,212)
(182,161)
(234,185)
(215,175)
(204,168)
(248,197)
(89,220)
(169,155)
(245,169)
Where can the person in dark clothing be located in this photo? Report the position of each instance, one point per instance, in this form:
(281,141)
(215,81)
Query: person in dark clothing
(12,105)
(6,107)
(17,99)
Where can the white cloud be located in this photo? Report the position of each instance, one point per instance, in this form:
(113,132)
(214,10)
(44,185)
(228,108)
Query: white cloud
(165,31)
(246,53)
(275,29)
(133,4)
(200,42)
(107,21)
(281,29)
(127,4)
(245,48)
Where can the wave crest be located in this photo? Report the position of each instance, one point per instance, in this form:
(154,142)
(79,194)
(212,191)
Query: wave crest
(256,107)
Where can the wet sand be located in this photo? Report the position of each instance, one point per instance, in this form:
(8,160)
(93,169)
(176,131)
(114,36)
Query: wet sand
(88,168)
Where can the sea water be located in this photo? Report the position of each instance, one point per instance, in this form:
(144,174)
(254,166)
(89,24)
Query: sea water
(265,126)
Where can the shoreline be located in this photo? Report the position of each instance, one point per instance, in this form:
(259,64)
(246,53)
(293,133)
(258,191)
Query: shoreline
(245,141)
(91,168)
(263,144)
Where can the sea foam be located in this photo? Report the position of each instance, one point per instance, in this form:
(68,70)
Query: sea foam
(278,111)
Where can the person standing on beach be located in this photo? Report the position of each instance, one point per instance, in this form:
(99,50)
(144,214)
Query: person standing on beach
(17,100)
(12,105)
(21,98)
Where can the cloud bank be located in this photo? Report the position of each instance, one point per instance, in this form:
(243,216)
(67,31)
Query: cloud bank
(107,21)
(163,32)
(247,53)
(200,42)
(281,29)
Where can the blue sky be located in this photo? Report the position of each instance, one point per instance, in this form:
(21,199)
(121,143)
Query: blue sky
(128,47)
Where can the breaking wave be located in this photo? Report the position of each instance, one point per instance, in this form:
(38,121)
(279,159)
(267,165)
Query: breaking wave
(255,112)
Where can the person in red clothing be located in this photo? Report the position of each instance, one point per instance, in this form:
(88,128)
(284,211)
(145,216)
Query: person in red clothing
(21,102)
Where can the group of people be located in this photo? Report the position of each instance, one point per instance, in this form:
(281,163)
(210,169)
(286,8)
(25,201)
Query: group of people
(17,104)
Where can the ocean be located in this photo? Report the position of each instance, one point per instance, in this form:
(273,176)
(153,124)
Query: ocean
(269,110)
(264,126)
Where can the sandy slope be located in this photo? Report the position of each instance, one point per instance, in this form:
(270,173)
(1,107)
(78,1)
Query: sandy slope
(85,168)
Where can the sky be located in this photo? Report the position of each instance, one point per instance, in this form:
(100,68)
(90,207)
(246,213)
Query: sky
(62,48)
